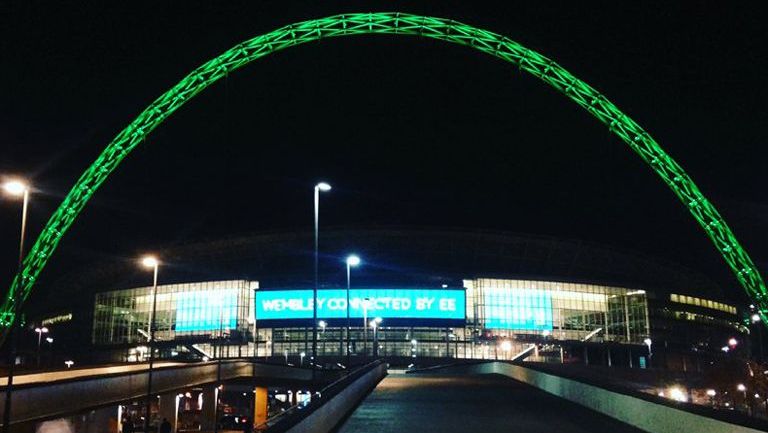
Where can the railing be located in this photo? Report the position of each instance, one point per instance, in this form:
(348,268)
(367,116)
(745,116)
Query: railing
(293,416)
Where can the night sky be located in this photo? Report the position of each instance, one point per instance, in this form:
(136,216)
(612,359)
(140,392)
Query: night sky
(409,131)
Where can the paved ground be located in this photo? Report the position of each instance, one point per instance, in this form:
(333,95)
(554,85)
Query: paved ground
(486,404)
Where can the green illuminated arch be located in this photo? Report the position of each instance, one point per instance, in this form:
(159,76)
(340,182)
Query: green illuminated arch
(391,23)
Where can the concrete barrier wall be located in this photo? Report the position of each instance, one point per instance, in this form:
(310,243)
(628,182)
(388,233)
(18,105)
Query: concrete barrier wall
(646,415)
(325,418)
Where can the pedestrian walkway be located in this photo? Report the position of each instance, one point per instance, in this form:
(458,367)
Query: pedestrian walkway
(484,403)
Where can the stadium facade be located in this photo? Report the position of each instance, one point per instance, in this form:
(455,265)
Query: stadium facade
(435,293)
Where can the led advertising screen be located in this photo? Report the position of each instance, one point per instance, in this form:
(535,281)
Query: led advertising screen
(518,309)
(206,310)
(397,306)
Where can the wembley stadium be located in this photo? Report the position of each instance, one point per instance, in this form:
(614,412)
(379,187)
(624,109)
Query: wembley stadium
(416,294)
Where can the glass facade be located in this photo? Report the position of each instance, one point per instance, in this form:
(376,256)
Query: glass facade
(188,311)
(503,317)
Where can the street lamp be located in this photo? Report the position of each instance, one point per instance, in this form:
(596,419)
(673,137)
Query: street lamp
(320,187)
(40,332)
(732,342)
(648,342)
(506,346)
(351,261)
(366,304)
(15,188)
(322,324)
(69,363)
(151,262)
(711,394)
(755,319)
(375,325)
(301,362)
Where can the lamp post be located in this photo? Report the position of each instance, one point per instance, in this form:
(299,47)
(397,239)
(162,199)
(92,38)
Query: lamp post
(366,302)
(648,342)
(151,262)
(324,187)
(756,320)
(49,340)
(15,188)
(375,325)
(352,260)
(40,332)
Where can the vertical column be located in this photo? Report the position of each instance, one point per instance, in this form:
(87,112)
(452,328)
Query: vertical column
(259,405)
(208,421)
(169,409)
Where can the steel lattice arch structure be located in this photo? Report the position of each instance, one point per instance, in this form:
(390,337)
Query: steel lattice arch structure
(387,23)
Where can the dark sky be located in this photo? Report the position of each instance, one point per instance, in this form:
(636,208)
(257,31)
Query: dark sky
(409,131)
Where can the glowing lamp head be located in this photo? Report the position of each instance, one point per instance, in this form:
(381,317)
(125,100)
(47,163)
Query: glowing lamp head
(741,387)
(322,186)
(755,318)
(711,392)
(506,346)
(647,342)
(732,342)
(353,260)
(15,188)
(149,262)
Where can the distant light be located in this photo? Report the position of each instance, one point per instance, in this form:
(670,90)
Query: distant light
(755,318)
(322,324)
(506,345)
(414,342)
(445,286)
(303,354)
(206,359)
(42,330)
(150,261)
(741,387)
(15,187)
(378,320)
(677,394)
(751,306)
(757,395)
(711,392)
(322,186)
(660,394)
(647,342)
(732,342)
(546,333)
(353,260)
(725,349)
(69,363)
(49,339)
